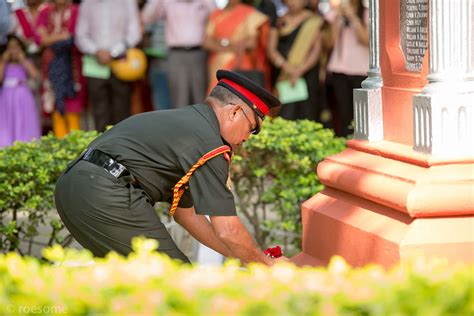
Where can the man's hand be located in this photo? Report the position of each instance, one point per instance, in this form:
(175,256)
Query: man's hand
(103,56)
(225,234)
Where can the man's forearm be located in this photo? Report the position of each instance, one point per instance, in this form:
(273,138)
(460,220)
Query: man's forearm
(244,248)
(237,238)
(200,228)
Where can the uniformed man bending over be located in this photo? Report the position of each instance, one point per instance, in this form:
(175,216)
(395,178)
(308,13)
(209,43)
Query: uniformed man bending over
(182,156)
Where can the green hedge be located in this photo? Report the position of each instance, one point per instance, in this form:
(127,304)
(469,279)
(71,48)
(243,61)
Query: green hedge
(148,283)
(28,174)
(273,173)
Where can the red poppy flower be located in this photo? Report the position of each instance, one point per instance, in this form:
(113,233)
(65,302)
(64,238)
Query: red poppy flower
(273,252)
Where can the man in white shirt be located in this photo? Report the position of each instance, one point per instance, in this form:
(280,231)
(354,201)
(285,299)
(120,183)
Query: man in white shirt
(184,32)
(105,29)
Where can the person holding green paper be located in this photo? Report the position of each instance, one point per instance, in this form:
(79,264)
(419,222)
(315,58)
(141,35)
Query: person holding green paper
(293,48)
(105,30)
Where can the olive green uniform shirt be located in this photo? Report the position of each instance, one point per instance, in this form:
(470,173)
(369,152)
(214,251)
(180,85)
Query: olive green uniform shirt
(158,148)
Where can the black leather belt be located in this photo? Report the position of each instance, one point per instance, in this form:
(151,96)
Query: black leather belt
(103,160)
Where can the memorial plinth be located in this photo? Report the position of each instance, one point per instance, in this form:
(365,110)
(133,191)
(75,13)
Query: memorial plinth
(410,192)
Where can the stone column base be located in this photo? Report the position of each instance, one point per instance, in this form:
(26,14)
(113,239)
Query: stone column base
(384,202)
(368,114)
(363,232)
(443,124)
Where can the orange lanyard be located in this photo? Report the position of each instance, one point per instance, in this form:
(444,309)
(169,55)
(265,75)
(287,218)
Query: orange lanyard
(179,188)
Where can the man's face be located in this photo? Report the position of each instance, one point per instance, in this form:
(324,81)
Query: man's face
(239,123)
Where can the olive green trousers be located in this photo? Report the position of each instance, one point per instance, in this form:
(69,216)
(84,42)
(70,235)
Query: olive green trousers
(104,213)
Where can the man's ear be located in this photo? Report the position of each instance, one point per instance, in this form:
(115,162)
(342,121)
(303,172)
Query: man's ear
(234,110)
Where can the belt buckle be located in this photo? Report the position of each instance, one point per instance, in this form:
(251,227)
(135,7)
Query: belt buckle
(117,170)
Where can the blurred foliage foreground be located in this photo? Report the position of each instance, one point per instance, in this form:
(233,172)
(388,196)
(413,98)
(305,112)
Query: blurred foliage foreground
(272,174)
(148,283)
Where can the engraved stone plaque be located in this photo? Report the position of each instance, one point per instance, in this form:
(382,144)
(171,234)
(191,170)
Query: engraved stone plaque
(413,32)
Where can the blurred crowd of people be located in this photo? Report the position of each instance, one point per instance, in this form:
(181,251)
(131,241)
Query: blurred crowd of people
(55,57)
